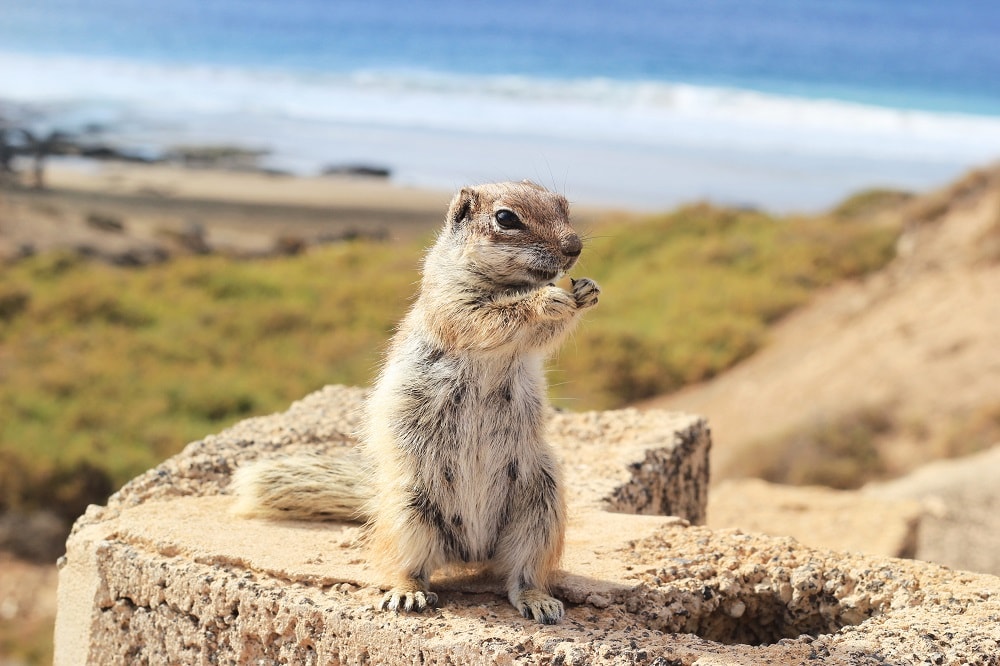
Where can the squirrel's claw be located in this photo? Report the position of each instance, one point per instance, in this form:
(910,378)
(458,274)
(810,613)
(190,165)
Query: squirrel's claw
(585,291)
(397,600)
(536,605)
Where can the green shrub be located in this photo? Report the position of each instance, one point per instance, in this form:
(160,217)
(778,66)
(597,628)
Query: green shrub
(116,368)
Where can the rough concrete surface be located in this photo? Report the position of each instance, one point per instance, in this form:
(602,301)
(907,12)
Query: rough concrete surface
(164,575)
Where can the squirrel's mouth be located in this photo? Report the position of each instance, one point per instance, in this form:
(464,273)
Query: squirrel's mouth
(544,276)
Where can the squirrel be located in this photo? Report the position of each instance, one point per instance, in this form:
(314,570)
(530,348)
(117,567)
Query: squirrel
(453,465)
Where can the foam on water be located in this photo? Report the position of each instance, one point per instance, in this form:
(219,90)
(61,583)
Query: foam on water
(308,120)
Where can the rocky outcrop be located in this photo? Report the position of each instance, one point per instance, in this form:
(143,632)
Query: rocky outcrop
(164,575)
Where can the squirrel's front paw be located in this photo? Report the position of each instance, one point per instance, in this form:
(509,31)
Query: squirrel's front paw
(585,291)
(557,303)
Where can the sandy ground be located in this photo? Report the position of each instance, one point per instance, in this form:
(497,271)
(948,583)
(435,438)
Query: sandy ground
(917,341)
(239,213)
(235,212)
(27,609)
(164,181)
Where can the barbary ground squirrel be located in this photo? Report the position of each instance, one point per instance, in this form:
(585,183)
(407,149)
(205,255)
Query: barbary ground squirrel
(453,465)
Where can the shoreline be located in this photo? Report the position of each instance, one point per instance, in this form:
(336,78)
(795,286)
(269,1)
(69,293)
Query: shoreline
(257,187)
(240,187)
(143,213)
(637,146)
(591,171)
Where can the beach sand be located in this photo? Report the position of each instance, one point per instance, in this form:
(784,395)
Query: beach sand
(134,210)
(243,187)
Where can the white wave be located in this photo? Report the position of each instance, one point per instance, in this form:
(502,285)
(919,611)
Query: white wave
(308,119)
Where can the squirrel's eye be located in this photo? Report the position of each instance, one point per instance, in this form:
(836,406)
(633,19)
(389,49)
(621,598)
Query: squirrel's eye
(508,219)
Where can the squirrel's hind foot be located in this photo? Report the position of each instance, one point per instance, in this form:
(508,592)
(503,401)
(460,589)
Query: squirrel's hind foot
(536,605)
(410,596)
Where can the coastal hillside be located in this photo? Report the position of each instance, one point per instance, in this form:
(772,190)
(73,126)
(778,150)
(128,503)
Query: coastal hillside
(211,210)
(113,356)
(111,364)
(880,375)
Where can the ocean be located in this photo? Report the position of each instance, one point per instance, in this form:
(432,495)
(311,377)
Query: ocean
(782,104)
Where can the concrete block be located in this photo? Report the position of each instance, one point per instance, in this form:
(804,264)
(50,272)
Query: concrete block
(164,575)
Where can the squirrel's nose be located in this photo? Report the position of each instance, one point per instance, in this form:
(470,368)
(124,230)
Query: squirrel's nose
(571,245)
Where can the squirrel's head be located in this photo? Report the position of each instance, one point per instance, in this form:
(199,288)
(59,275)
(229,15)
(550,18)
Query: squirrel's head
(513,234)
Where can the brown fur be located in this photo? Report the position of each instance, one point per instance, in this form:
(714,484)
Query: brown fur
(460,470)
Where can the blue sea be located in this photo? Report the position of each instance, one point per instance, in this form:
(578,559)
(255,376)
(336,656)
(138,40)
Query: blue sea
(784,104)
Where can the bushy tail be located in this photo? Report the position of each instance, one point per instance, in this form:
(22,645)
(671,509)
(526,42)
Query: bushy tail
(334,486)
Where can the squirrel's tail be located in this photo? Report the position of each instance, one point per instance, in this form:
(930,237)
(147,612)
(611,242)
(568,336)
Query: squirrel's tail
(333,486)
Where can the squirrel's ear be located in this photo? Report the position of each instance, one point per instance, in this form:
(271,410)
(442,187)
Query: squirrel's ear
(461,207)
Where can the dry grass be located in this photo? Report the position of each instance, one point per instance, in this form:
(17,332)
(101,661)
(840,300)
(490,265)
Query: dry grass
(935,205)
(987,247)
(839,451)
(976,432)
(868,203)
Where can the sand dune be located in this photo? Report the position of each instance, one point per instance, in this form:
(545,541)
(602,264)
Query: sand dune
(919,341)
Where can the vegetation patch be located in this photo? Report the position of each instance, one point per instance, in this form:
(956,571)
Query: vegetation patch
(978,431)
(106,370)
(28,642)
(870,202)
(688,294)
(838,451)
